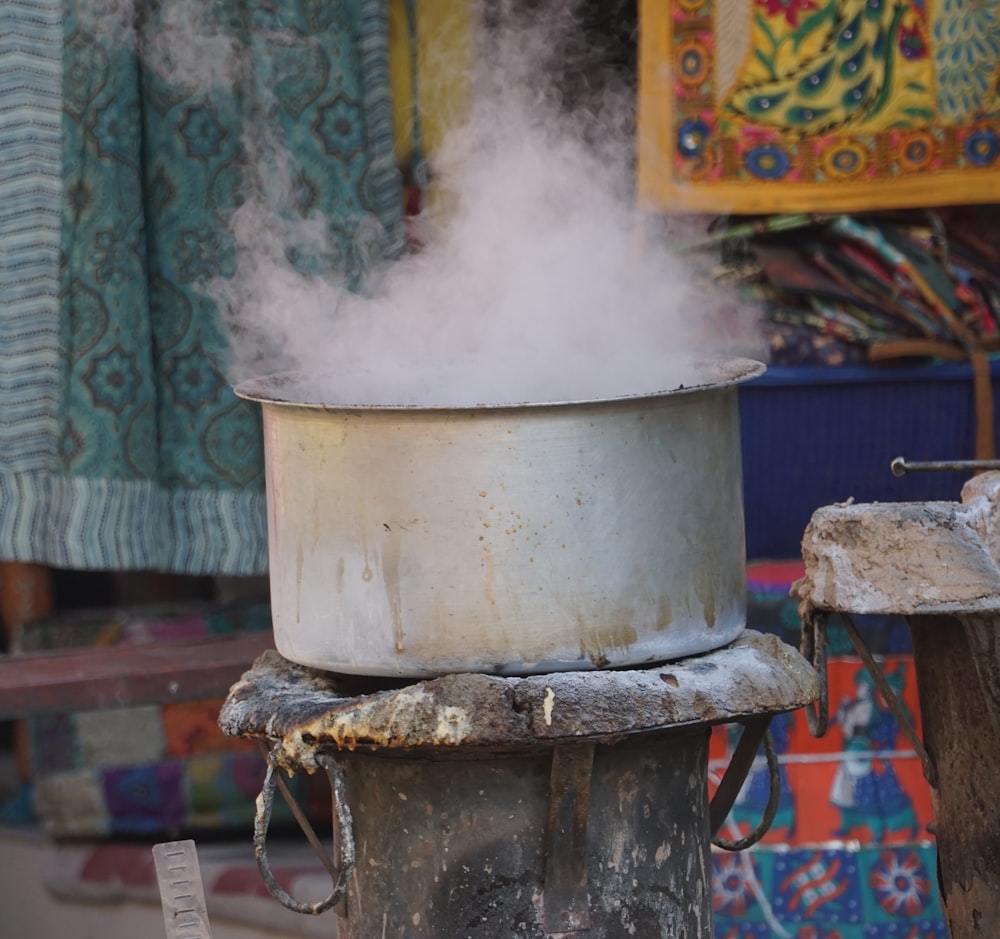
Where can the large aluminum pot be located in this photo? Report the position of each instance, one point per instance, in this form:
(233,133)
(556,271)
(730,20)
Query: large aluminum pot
(509,539)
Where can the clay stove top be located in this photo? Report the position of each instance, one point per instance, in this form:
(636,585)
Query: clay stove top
(309,711)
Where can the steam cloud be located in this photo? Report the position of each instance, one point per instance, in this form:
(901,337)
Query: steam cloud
(540,280)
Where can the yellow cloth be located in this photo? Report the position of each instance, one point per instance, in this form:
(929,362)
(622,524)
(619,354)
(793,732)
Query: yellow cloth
(444,61)
(818,105)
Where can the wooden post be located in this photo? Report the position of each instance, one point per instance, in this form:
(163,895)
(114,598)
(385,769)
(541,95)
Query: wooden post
(958,689)
(26,595)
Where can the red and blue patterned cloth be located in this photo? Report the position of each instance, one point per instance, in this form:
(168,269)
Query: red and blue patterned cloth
(849,855)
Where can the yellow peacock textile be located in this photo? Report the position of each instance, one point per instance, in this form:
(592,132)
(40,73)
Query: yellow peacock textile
(818,105)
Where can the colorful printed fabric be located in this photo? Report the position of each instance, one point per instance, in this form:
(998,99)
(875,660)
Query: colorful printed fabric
(799,343)
(867,893)
(848,855)
(835,289)
(123,446)
(778,105)
(154,768)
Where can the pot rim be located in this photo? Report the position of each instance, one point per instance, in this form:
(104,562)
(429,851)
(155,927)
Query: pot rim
(288,388)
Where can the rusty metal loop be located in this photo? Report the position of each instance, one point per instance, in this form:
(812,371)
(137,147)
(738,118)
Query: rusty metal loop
(262,819)
(813,649)
(770,810)
(891,699)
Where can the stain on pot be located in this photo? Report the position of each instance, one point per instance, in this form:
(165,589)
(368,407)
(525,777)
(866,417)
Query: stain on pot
(705,582)
(489,568)
(664,614)
(299,560)
(603,644)
(391,551)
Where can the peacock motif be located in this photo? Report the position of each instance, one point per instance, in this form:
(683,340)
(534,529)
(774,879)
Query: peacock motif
(966,54)
(844,78)
(820,105)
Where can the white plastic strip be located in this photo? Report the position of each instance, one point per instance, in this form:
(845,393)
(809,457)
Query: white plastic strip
(182,892)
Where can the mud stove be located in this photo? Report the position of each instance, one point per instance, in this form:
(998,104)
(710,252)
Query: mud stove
(472,805)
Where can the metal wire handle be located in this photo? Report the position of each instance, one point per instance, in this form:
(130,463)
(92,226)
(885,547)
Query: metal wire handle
(262,819)
(770,810)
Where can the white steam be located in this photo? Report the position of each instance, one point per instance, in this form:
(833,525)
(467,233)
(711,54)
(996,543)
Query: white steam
(539,279)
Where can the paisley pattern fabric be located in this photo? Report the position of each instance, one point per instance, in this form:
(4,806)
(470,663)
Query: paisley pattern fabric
(123,444)
(817,105)
(966,53)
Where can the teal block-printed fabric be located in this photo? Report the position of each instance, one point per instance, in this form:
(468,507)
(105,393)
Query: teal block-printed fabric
(122,445)
(108,406)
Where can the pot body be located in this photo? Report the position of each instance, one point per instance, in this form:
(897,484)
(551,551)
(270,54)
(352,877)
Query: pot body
(511,540)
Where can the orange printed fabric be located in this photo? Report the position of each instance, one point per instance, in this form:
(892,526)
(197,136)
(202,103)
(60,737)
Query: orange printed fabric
(191,729)
(750,106)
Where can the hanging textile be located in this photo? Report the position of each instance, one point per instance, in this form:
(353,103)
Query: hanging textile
(125,149)
(751,106)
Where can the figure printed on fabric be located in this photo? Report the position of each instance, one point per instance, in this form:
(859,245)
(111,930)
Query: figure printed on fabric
(866,790)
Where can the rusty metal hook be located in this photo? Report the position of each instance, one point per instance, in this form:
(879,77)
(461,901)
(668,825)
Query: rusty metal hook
(265,803)
(732,782)
(891,699)
(813,649)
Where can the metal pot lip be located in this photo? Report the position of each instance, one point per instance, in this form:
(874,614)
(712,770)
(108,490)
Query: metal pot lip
(304,389)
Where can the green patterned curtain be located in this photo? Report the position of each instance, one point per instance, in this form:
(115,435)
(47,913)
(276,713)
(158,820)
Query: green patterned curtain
(122,445)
